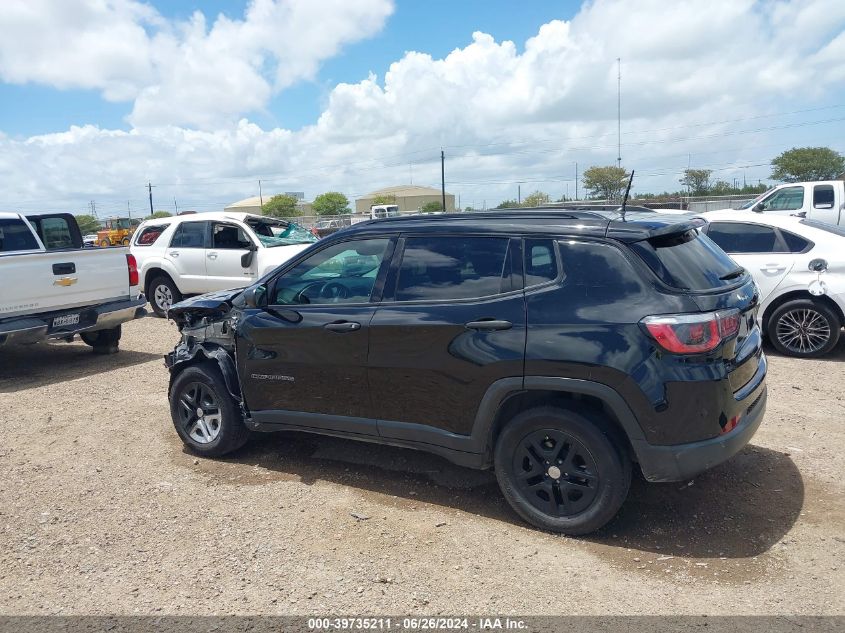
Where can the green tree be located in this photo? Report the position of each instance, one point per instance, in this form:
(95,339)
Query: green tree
(280,206)
(87,224)
(158,214)
(508,204)
(606,183)
(697,181)
(431,207)
(800,164)
(331,203)
(536,199)
(384,199)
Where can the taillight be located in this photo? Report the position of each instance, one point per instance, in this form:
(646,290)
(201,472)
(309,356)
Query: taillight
(693,333)
(132,265)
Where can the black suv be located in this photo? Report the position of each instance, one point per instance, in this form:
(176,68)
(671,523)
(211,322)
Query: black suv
(558,347)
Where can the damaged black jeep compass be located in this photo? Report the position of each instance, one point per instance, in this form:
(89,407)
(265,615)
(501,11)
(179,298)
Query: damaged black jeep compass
(558,347)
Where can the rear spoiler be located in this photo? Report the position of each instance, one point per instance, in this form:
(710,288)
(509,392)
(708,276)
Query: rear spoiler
(641,229)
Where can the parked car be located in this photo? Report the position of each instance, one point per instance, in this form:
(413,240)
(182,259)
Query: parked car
(51,287)
(192,254)
(788,257)
(821,200)
(558,347)
(90,240)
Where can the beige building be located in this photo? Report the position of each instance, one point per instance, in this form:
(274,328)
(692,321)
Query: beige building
(409,198)
(253,205)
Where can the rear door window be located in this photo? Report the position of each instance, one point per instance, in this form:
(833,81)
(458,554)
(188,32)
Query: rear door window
(688,261)
(15,235)
(443,268)
(189,235)
(823,197)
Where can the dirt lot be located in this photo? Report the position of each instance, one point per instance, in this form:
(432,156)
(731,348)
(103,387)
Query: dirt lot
(102,512)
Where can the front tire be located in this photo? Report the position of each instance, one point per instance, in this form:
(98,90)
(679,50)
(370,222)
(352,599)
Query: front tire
(103,341)
(560,471)
(205,416)
(163,293)
(804,328)
(105,243)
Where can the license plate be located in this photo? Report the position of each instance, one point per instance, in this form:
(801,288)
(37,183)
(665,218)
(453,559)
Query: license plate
(66,319)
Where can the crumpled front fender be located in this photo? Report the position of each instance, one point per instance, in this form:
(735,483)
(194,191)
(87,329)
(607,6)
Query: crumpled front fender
(187,354)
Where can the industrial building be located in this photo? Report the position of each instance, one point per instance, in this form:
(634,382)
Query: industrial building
(253,204)
(410,198)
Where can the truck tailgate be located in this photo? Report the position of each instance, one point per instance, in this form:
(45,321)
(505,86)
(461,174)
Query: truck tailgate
(55,280)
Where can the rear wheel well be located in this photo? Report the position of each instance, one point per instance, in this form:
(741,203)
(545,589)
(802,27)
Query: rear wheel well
(583,403)
(151,274)
(800,294)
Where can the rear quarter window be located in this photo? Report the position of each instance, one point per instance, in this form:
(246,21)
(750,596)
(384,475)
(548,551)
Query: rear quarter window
(149,234)
(688,261)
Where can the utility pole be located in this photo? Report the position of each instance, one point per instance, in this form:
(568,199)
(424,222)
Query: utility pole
(175,206)
(619,112)
(129,211)
(260,195)
(150,189)
(519,194)
(576,180)
(411,171)
(93,206)
(443,178)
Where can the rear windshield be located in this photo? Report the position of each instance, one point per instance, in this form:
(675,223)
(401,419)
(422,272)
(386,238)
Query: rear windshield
(689,261)
(16,236)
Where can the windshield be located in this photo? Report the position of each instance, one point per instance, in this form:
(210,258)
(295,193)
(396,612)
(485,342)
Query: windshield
(752,203)
(273,233)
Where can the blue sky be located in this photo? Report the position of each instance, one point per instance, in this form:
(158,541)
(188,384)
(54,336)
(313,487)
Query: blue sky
(433,26)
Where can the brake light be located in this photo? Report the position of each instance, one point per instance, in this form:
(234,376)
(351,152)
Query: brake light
(693,333)
(132,265)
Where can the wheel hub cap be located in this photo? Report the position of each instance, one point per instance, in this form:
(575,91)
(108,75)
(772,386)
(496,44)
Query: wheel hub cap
(555,472)
(803,331)
(199,413)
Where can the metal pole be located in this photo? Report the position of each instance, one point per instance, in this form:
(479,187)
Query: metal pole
(175,206)
(619,111)
(519,194)
(576,179)
(443,178)
(150,188)
(129,211)
(260,195)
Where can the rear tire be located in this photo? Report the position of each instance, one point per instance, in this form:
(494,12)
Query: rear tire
(220,428)
(804,328)
(125,241)
(162,294)
(560,471)
(103,341)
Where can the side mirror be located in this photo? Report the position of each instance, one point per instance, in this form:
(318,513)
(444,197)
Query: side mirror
(246,258)
(759,207)
(818,265)
(255,296)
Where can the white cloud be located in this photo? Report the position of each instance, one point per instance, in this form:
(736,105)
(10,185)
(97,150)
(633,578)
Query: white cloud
(179,73)
(505,112)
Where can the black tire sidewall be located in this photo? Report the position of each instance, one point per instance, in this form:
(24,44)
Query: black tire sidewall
(804,304)
(614,469)
(233,433)
(162,281)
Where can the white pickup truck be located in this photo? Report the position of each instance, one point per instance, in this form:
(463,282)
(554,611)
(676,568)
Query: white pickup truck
(822,200)
(51,287)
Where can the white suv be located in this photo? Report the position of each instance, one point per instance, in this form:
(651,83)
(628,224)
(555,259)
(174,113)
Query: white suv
(203,252)
(799,267)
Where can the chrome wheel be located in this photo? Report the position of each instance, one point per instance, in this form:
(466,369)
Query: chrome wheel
(803,331)
(555,473)
(199,413)
(163,297)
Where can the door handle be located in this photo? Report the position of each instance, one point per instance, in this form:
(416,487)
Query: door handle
(212,255)
(66,268)
(343,326)
(489,324)
(174,253)
(773,268)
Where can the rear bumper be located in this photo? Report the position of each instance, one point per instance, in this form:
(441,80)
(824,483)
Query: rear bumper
(31,329)
(680,462)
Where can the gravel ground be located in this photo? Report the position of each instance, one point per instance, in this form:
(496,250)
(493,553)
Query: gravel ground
(103,512)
